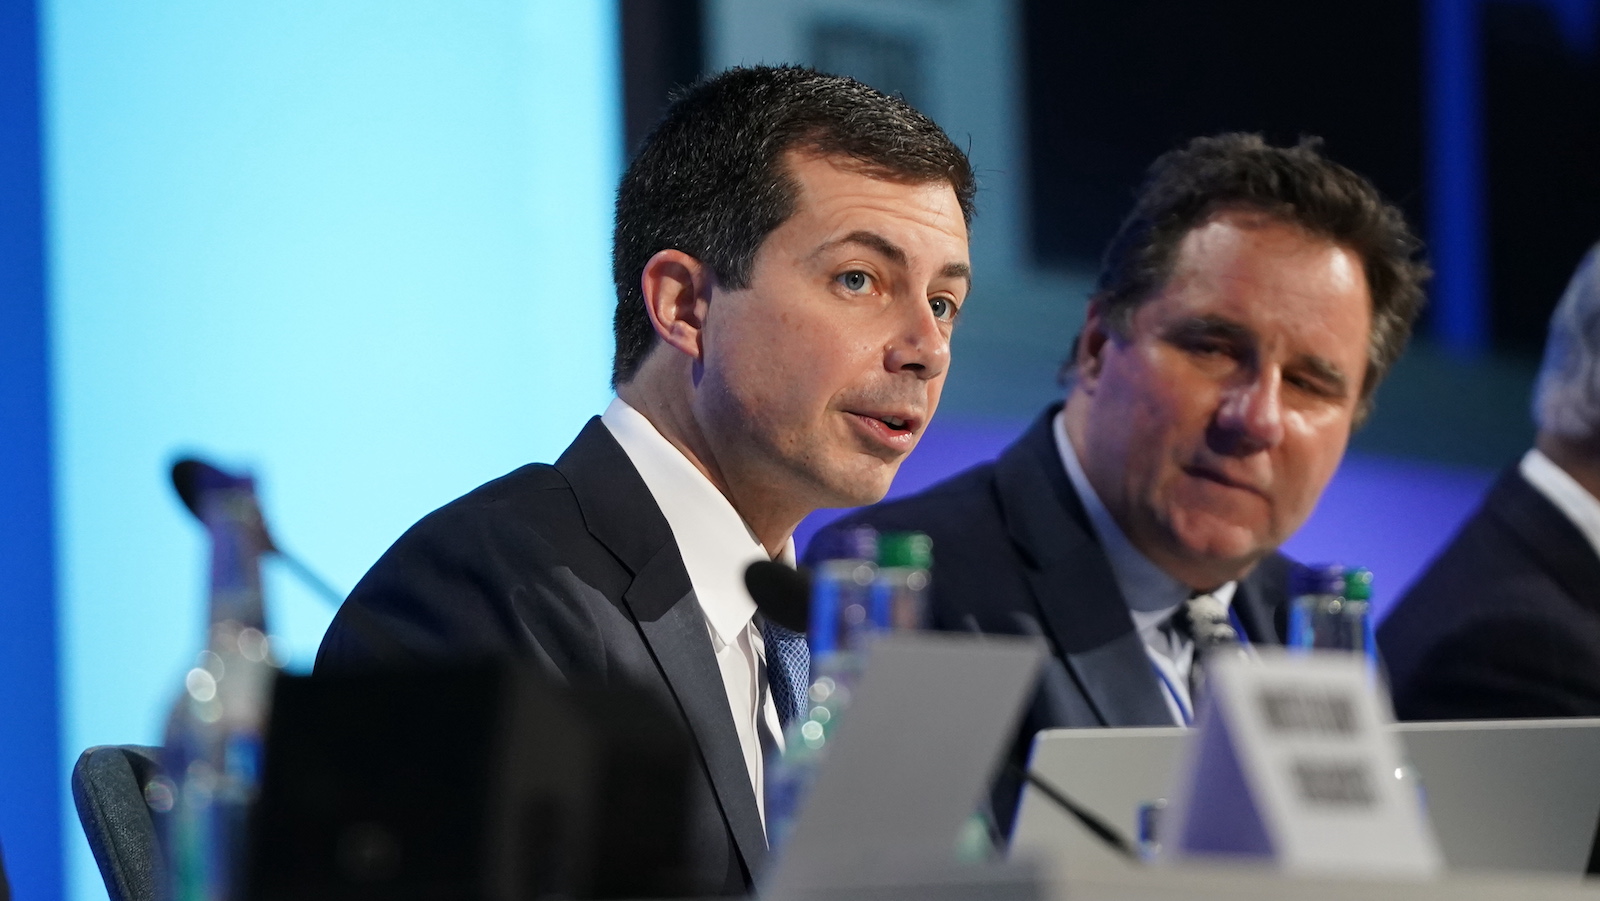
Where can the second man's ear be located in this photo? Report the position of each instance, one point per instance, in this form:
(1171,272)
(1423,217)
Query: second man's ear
(1088,350)
(677,294)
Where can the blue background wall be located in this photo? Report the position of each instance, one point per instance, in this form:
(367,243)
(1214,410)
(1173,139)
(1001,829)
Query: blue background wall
(30,822)
(360,248)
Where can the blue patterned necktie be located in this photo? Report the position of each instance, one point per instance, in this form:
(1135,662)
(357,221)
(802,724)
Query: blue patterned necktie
(788,670)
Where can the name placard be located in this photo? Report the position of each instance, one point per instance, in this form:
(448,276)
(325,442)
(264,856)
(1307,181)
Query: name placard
(1293,763)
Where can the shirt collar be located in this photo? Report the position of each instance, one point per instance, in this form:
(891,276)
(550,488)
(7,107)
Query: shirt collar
(715,542)
(1562,490)
(1151,594)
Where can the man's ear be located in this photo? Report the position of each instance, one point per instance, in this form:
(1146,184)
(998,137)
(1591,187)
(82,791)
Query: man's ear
(1089,354)
(677,294)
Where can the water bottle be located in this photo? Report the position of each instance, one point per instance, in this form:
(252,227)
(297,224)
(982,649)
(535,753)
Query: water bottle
(900,591)
(840,621)
(212,756)
(1330,610)
(841,594)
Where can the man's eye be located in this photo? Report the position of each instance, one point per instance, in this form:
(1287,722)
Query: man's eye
(943,307)
(855,282)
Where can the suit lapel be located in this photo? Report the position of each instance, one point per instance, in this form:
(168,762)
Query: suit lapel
(1261,602)
(620,513)
(675,630)
(1548,535)
(1072,584)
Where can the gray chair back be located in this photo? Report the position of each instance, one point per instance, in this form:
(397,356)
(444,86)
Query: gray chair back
(108,787)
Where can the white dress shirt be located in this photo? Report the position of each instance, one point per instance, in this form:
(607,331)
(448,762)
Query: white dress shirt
(1561,489)
(716,546)
(1152,596)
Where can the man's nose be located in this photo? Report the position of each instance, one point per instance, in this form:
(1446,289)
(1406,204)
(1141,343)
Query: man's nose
(919,344)
(1250,417)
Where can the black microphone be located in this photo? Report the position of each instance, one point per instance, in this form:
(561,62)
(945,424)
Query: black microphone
(1090,820)
(192,478)
(782,593)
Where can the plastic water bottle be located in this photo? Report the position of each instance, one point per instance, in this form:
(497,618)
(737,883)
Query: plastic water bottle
(841,594)
(212,756)
(840,621)
(900,592)
(864,585)
(1331,611)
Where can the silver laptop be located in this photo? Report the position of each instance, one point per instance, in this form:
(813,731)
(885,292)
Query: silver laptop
(1502,794)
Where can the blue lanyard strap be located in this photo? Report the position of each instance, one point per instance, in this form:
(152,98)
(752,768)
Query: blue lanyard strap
(1238,624)
(1172,692)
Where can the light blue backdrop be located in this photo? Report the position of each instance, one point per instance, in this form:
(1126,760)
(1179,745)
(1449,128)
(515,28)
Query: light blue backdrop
(358,247)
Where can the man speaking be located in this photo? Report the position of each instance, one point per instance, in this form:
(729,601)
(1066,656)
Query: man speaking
(790,258)
(1247,310)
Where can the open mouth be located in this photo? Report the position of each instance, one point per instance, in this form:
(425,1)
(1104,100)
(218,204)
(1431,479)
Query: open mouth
(896,431)
(895,423)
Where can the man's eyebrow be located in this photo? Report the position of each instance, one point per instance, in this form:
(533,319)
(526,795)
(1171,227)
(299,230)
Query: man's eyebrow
(957,270)
(870,240)
(1325,370)
(1211,327)
(892,252)
(1320,368)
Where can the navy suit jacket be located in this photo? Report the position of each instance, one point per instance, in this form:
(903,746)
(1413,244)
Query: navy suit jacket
(574,567)
(1505,622)
(1014,554)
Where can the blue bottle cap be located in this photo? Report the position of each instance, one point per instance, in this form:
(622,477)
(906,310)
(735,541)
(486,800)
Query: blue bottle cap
(1319,578)
(854,543)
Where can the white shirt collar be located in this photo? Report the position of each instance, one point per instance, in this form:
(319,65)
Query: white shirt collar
(714,541)
(1561,489)
(1150,593)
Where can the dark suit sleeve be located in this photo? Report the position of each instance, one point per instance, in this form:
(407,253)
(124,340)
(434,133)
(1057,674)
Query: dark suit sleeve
(475,578)
(1506,666)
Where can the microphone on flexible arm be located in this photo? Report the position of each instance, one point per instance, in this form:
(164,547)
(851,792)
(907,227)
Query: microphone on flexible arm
(190,477)
(783,595)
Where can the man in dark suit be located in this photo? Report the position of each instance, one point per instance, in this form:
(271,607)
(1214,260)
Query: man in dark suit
(790,255)
(1506,620)
(1247,310)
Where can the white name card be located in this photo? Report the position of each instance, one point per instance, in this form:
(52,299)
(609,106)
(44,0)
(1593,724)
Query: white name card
(1293,763)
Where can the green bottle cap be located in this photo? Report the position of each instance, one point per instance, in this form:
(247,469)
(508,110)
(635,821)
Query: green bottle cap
(913,550)
(1358,583)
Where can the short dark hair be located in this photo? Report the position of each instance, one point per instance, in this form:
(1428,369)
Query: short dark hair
(1185,188)
(711,179)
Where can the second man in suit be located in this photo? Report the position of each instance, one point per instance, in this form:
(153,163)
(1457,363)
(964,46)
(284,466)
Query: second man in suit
(1247,310)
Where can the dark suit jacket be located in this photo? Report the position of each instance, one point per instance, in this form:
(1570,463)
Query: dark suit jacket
(572,566)
(1506,620)
(1014,554)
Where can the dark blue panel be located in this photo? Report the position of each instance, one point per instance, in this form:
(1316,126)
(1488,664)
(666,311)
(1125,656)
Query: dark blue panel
(1455,175)
(30,822)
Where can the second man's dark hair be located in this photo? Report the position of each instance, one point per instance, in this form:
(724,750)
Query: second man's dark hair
(710,180)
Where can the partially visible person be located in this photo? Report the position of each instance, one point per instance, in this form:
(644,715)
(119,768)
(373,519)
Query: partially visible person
(1245,314)
(1505,622)
(790,257)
